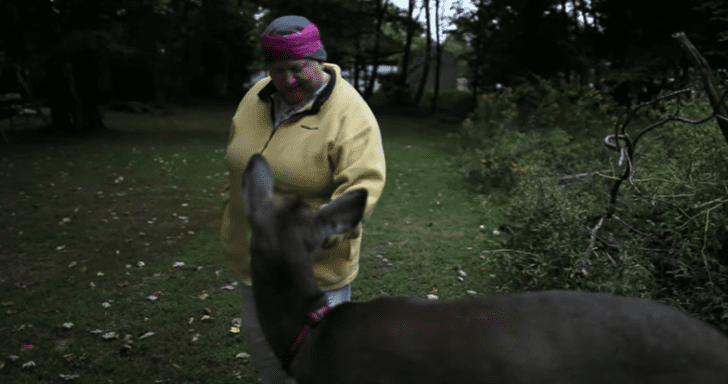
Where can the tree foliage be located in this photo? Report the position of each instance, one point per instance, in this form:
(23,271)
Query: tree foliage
(621,45)
(80,52)
(76,53)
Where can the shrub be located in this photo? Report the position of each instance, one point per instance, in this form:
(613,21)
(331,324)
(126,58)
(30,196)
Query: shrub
(668,237)
(549,234)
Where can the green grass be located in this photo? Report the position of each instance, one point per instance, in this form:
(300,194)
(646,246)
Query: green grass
(78,217)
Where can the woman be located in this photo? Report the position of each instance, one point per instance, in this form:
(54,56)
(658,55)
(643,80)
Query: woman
(321,140)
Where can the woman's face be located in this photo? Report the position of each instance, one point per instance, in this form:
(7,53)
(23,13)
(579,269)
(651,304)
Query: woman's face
(296,80)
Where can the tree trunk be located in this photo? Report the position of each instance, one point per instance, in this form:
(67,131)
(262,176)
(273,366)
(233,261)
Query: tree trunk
(381,10)
(426,66)
(74,106)
(711,88)
(358,54)
(438,59)
(403,87)
(160,74)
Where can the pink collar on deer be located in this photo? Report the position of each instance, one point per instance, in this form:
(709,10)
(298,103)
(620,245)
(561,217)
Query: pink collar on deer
(312,320)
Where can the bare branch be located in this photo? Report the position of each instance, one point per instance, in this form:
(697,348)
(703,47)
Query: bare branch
(626,152)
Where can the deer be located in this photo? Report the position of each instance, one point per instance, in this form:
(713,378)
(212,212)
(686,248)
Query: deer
(557,336)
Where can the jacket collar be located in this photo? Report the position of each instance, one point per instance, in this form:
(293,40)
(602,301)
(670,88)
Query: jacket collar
(266,93)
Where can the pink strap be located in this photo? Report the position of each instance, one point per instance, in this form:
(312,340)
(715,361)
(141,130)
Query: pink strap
(313,319)
(297,45)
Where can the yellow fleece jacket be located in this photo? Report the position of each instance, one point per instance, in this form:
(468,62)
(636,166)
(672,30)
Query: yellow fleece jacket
(331,146)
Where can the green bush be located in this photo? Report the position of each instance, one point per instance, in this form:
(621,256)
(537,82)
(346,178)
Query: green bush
(490,148)
(548,235)
(495,153)
(667,238)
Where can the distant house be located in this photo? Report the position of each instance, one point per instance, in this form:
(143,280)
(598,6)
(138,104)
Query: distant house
(448,72)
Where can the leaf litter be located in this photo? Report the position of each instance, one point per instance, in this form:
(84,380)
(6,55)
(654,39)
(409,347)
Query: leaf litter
(111,336)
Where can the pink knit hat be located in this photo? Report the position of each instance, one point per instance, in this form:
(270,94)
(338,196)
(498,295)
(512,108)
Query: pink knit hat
(291,38)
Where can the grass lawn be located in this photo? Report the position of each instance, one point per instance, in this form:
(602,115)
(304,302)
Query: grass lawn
(110,267)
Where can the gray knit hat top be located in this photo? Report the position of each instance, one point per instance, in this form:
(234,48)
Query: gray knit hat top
(290,38)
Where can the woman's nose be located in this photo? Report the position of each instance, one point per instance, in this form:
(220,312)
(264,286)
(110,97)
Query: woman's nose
(288,78)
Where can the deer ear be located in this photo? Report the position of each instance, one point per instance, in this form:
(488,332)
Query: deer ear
(343,213)
(257,183)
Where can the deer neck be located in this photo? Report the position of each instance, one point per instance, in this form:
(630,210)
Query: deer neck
(284,296)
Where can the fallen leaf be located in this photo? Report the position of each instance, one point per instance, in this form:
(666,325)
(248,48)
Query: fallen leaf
(68,377)
(144,336)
